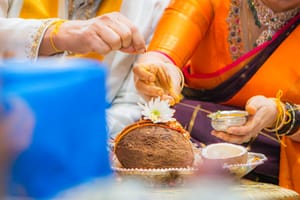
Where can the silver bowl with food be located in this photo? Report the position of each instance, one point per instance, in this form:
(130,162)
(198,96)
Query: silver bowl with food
(221,120)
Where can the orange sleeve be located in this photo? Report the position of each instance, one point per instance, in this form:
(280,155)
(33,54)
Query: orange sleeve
(181,28)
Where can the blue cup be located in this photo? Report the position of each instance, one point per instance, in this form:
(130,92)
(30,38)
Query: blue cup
(59,130)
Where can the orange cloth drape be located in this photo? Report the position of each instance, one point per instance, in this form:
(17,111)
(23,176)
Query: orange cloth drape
(289,176)
(195,32)
(279,72)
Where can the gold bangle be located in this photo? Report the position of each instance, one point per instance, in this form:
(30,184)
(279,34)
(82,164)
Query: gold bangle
(280,118)
(54,32)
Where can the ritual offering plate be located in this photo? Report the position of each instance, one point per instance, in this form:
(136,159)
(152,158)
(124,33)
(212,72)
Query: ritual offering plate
(221,120)
(233,158)
(158,150)
(240,170)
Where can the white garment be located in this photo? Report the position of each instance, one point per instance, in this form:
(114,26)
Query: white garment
(23,37)
(145,15)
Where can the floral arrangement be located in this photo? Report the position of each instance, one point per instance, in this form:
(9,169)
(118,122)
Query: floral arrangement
(158,111)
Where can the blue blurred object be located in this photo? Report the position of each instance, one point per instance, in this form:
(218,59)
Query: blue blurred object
(68,144)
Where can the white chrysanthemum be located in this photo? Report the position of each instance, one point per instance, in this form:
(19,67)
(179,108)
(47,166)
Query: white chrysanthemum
(157,111)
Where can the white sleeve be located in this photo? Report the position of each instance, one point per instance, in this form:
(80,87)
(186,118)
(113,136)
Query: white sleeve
(22,37)
(124,109)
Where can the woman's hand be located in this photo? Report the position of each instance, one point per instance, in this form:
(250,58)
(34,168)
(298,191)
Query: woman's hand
(101,34)
(262,113)
(155,76)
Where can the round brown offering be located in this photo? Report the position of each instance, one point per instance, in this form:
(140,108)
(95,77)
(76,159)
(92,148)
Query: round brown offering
(147,145)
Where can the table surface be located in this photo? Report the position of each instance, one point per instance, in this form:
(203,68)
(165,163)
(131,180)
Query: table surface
(245,190)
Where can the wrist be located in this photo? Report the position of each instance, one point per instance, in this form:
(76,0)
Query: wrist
(279,115)
(50,44)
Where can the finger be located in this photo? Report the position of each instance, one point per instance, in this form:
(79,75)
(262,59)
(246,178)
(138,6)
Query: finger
(123,31)
(129,49)
(148,89)
(94,43)
(170,99)
(251,109)
(108,35)
(137,39)
(162,78)
(142,73)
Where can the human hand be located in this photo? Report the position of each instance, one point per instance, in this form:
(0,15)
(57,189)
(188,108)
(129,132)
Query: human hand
(101,34)
(262,113)
(155,76)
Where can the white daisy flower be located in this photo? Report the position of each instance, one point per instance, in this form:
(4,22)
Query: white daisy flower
(158,111)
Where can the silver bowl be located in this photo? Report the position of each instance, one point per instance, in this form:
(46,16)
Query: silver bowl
(221,120)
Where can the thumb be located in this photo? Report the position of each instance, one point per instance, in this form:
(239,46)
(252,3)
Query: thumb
(251,106)
(251,109)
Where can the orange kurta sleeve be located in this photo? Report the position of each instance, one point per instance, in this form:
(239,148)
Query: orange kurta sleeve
(181,28)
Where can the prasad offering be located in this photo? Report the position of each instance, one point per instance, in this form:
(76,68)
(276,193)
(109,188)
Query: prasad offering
(225,153)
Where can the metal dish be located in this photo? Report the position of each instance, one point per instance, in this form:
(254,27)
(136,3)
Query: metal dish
(240,170)
(180,176)
(221,120)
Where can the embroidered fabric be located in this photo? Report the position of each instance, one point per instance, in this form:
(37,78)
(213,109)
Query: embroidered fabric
(269,20)
(265,18)
(33,43)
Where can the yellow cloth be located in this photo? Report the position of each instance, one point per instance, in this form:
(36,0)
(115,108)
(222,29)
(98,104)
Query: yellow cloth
(41,9)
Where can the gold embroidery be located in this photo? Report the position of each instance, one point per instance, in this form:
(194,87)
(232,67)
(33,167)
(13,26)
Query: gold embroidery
(234,29)
(36,37)
(269,20)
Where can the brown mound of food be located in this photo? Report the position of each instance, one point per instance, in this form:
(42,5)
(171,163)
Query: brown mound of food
(147,145)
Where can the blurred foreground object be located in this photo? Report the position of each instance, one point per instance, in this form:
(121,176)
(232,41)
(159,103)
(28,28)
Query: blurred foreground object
(66,99)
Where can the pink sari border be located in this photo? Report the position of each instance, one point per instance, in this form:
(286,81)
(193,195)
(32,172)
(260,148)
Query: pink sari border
(242,58)
(166,55)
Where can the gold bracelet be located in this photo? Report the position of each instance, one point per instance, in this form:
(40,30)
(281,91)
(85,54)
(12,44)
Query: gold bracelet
(283,117)
(280,118)
(54,32)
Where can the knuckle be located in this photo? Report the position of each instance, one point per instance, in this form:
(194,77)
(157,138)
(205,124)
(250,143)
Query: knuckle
(115,43)
(105,49)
